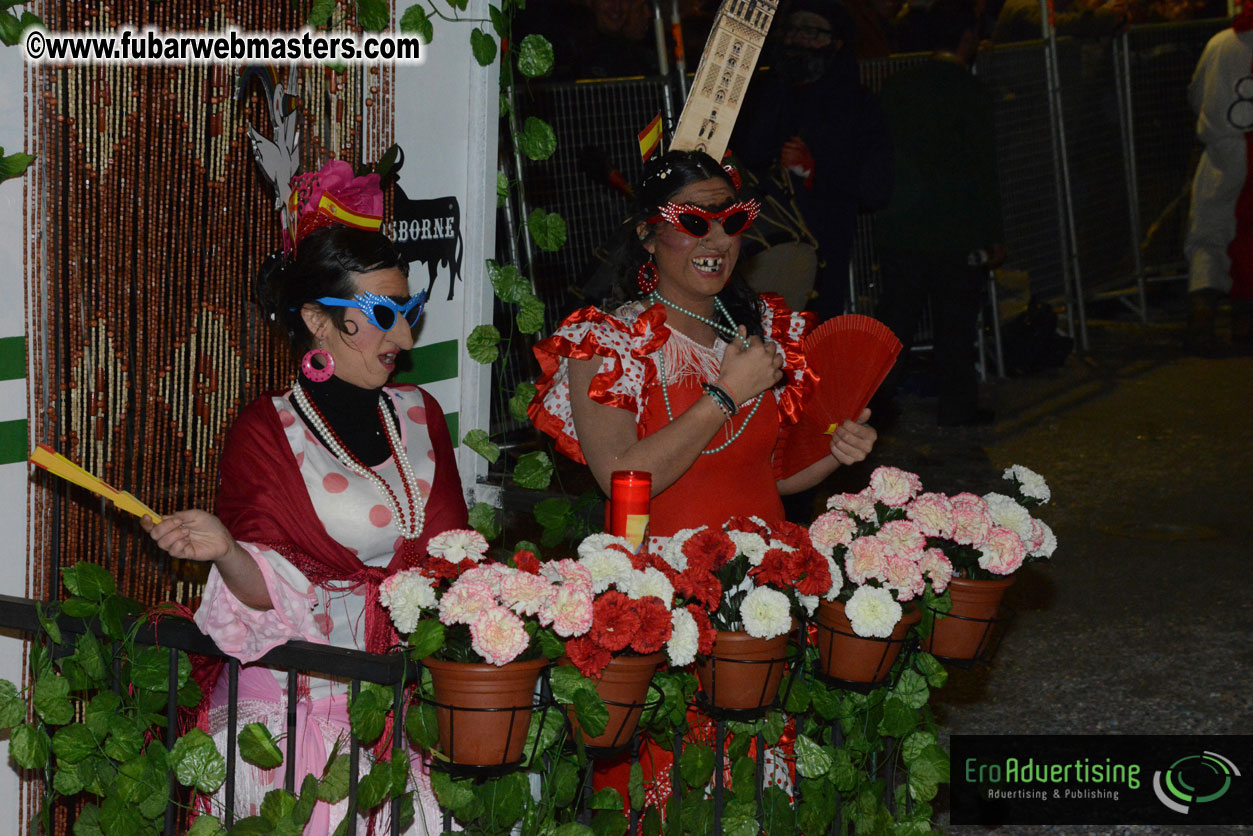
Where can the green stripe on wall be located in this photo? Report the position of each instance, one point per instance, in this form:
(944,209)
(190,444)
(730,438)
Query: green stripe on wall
(454,427)
(12,358)
(13,441)
(437,361)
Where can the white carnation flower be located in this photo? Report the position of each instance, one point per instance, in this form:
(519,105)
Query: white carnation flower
(753,546)
(608,567)
(837,579)
(406,594)
(600,541)
(684,638)
(672,551)
(1049,545)
(873,612)
(458,544)
(765,613)
(1007,513)
(809,602)
(1029,482)
(651,581)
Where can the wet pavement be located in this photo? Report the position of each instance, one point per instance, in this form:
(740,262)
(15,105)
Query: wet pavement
(1140,622)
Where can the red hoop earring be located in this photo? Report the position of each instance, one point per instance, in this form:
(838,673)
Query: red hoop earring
(733,174)
(647,277)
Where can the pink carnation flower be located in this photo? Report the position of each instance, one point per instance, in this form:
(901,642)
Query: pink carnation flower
(463,602)
(893,486)
(904,538)
(971,521)
(1003,551)
(498,636)
(525,593)
(489,575)
(569,611)
(904,576)
(859,505)
(834,528)
(938,569)
(932,513)
(569,573)
(867,558)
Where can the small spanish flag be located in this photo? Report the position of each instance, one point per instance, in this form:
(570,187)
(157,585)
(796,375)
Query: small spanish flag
(650,137)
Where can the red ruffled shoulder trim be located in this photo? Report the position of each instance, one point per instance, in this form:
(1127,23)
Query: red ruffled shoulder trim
(788,328)
(587,333)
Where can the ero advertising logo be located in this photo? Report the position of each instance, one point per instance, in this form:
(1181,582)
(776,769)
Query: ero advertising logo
(1194,779)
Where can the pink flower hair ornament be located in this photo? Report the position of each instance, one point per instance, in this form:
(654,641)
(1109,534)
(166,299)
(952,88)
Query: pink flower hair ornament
(332,195)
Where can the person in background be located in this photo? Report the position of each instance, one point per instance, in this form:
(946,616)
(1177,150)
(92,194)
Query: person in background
(1020,20)
(1219,245)
(811,114)
(942,231)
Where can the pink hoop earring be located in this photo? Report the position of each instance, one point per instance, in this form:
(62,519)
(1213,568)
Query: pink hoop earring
(313,372)
(647,277)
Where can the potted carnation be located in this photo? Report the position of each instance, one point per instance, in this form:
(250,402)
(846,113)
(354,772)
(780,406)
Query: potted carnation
(636,626)
(755,580)
(485,630)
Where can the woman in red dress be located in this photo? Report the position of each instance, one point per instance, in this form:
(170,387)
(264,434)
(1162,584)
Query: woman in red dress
(691,378)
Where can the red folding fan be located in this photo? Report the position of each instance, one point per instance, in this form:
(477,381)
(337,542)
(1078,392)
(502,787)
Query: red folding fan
(851,355)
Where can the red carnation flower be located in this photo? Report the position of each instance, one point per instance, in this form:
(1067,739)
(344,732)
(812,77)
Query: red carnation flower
(775,569)
(655,626)
(589,657)
(709,550)
(791,534)
(701,586)
(615,621)
(809,568)
(705,630)
(524,560)
(441,569)
(750,525)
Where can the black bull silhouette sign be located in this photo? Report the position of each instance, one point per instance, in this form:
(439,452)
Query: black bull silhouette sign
(429,231)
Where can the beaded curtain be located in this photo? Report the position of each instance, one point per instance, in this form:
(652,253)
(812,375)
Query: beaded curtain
(150,219)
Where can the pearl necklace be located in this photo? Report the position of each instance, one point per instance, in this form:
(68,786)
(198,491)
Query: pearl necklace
(417,514)
(727,329)
(665,397)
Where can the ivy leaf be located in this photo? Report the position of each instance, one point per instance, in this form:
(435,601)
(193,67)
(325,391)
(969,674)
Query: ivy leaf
(556,512)
(459,5)
(368,713)
(548,229)
(197,762)
(485,520)
(90,655)
(550,645)
(257,746)
(509,285)
(898,718)
(150,669)
(535,56)
(87,823)
(15,165)
(812,760)
(87,580)
(479,441)
(276,805)
(743,775)
(126,739)
(773,730)
(521,399)
(52,700)
(49,623)
(73,743)
(826,701)
(207,825)
(67,779)
(534,471)
(504,800)
(79,608)
(12,706)
(546,728)
(798,697)
(450,792)
(697,765)
(817,809)
(427,637)
(564,784)
(843,774)
(374,15)
(592,713)
(481,344)
(931,668)
(99,711)
(538,140)
(531,314)
(500,21)
(913,745)
(320,13)
(30,746)
(415,22)
(333,787)
(566,681)
(258,826)
(912,689)
(421,726)
(483,46)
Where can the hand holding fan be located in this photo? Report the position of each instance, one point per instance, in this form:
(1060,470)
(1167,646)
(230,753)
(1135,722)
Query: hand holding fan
(851,355)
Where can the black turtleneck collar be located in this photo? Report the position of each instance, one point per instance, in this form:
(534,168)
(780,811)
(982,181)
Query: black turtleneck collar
(352,412)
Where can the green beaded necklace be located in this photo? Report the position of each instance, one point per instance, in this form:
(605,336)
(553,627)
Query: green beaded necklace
(720,328)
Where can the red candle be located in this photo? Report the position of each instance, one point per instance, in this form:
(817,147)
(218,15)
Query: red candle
(630,494)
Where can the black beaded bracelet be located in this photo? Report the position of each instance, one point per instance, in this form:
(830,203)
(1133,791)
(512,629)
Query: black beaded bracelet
(721,397)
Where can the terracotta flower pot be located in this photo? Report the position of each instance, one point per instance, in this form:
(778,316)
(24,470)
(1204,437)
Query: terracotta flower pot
(966,632)
(483,711)
(623,685)
(846,656)
(744,672)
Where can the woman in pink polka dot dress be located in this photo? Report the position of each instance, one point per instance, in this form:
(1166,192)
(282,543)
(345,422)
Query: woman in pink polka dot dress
(326,490)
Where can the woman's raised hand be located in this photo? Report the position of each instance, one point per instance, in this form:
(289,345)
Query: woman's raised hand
(852,441)
(747,372)
(191,535)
